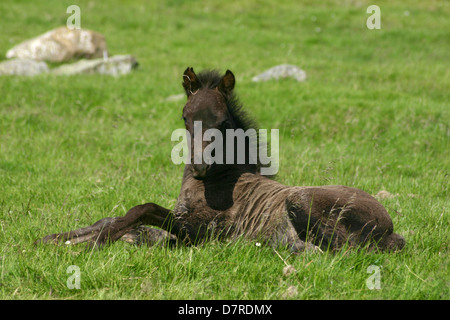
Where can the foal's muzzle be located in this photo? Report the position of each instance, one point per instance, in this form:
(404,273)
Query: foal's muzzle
(199,170)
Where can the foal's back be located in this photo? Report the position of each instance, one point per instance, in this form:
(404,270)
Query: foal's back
(328,216)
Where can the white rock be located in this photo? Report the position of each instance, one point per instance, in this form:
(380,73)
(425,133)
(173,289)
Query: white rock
(115,66)
(281,71)
(175,97)
(22,67)
(61,44)
(384,194)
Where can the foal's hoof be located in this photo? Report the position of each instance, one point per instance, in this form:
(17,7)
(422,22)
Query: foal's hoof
(50,239)
(149,236)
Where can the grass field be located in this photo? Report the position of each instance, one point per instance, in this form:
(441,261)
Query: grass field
(373,114)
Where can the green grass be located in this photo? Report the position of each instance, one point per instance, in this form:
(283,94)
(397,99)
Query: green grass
(373,114)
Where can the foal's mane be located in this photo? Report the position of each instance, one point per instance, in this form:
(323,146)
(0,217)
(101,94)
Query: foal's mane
(210,79)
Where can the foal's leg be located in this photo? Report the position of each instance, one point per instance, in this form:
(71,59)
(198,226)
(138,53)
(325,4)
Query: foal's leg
(145,214)
(112,229)
(79,235)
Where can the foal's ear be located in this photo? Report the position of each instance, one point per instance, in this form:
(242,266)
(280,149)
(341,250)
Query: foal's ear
(190,81)
(227,82)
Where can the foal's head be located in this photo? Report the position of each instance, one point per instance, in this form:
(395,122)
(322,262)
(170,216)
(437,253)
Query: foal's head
(206,104)
(211,103)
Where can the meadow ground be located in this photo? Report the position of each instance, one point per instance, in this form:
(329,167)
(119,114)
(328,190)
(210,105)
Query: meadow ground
(373,114)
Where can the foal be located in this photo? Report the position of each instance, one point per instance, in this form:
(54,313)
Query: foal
(232,200)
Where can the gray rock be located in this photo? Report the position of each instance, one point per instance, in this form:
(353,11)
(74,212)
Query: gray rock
(115,66)
(281,71)
(22,67)
(61,44)
(175,97)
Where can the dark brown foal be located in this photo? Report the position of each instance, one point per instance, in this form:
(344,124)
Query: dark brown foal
(234,199)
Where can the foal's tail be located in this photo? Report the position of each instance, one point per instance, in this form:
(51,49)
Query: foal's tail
(392,242)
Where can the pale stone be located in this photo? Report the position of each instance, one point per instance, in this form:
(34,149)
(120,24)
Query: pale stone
(22,67)
(61,44)
(115,66)
(280,72)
